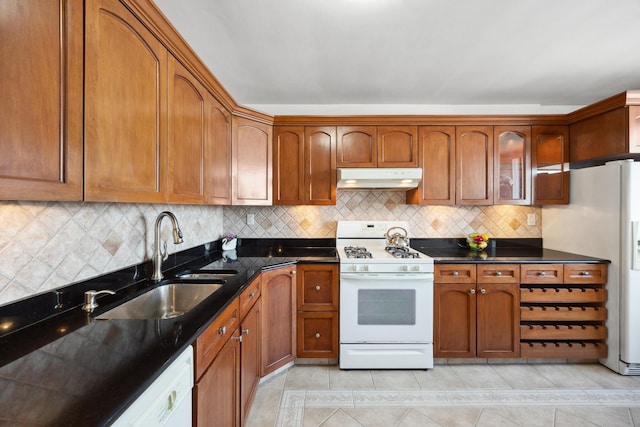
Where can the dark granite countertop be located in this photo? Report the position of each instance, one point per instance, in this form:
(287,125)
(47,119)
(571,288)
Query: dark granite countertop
(61,367)
(526,250)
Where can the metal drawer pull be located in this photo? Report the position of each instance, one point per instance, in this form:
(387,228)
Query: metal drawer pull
(222,330)
(317,335)
(317,287)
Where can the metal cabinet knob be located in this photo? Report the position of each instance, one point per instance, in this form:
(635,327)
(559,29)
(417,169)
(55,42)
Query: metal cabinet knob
(222,330)
(455,273)
(498,273)
(472,291)
(483,291)
(317,335)
(585,273)
(293,272)
(543,273)
(245,331)
(317,287)
(252,294)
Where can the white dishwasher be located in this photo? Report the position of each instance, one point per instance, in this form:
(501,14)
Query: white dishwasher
(167,401)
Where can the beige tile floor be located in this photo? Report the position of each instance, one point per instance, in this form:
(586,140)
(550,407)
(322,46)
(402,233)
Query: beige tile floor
(449,395)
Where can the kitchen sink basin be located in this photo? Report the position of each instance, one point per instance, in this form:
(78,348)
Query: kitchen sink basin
(207,274)
(164,302)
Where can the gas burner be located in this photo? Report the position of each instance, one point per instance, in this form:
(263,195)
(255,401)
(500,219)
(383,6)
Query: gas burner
(357,252)
(401,252)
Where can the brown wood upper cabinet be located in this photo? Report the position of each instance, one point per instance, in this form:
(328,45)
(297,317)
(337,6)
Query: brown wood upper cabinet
(357,147)
(217,155)
(549,164)
(377,146)
(609,134)
(512,165)
(41,102)
(125,107)
(474,165)
(251,162)
(397,146)
(436,157)
(187,126)
(304,165)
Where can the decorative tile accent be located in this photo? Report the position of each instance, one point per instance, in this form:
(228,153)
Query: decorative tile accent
(47,245)
(425,221)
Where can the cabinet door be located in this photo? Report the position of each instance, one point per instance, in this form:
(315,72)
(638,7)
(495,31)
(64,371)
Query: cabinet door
(41,101)
(498,320)
(474,165)
(250,358)
(512,165)
(454,325)
(288,165)
(320,165)
(186,135)
(278,318)
(317,334)
(217,155)
(125,107)
(397,146)
(217,394)
(251,162)
(550,164)
(357,147)
(318,287)
(436,157)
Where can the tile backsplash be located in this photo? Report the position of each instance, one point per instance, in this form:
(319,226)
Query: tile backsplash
(424,221)
(45,245)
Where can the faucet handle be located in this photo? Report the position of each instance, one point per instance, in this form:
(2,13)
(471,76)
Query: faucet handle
(90,299)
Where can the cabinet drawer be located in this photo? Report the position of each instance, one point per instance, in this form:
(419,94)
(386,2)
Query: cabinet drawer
(249,296)
(562,332)
(213,338)
(498,273)
(563,350)
(317,335)
(562,314)
(585,273)
(562,295)
(455,273)
(318,287)
(541,273)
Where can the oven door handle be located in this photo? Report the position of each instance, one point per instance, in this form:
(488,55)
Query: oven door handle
(386,276)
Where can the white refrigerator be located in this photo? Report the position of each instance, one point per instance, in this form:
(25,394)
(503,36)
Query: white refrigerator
(603,220)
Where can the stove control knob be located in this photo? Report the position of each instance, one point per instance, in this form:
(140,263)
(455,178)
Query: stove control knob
(417,268)
(405,268)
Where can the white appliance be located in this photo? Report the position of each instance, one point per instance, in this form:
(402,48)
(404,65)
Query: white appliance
(386,299)
(390,178)
(602,220)
(167,401)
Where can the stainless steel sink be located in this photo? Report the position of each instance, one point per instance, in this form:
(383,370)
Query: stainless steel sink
(164,302)
(207,274)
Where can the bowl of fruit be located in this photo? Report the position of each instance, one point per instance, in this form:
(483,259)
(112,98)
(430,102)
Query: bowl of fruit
(478,241)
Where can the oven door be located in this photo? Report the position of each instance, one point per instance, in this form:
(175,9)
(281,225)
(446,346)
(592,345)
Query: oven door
(386,308)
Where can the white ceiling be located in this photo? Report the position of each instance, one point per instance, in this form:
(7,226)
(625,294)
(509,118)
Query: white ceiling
(415,56)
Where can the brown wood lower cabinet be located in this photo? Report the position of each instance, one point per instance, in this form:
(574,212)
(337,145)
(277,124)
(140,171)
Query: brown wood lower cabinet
(476,310)
(317,302)
(250,327)
(278,318)
(562,311)
(216,392)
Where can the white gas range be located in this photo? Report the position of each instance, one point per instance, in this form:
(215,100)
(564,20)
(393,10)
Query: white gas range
(386,298)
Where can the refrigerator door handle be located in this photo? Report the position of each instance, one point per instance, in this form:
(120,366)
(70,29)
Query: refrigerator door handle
(635,243)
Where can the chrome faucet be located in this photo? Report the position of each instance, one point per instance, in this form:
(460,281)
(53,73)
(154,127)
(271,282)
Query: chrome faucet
(160,255)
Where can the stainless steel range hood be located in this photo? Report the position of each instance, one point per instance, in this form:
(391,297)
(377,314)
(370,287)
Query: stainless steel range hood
(381,178)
